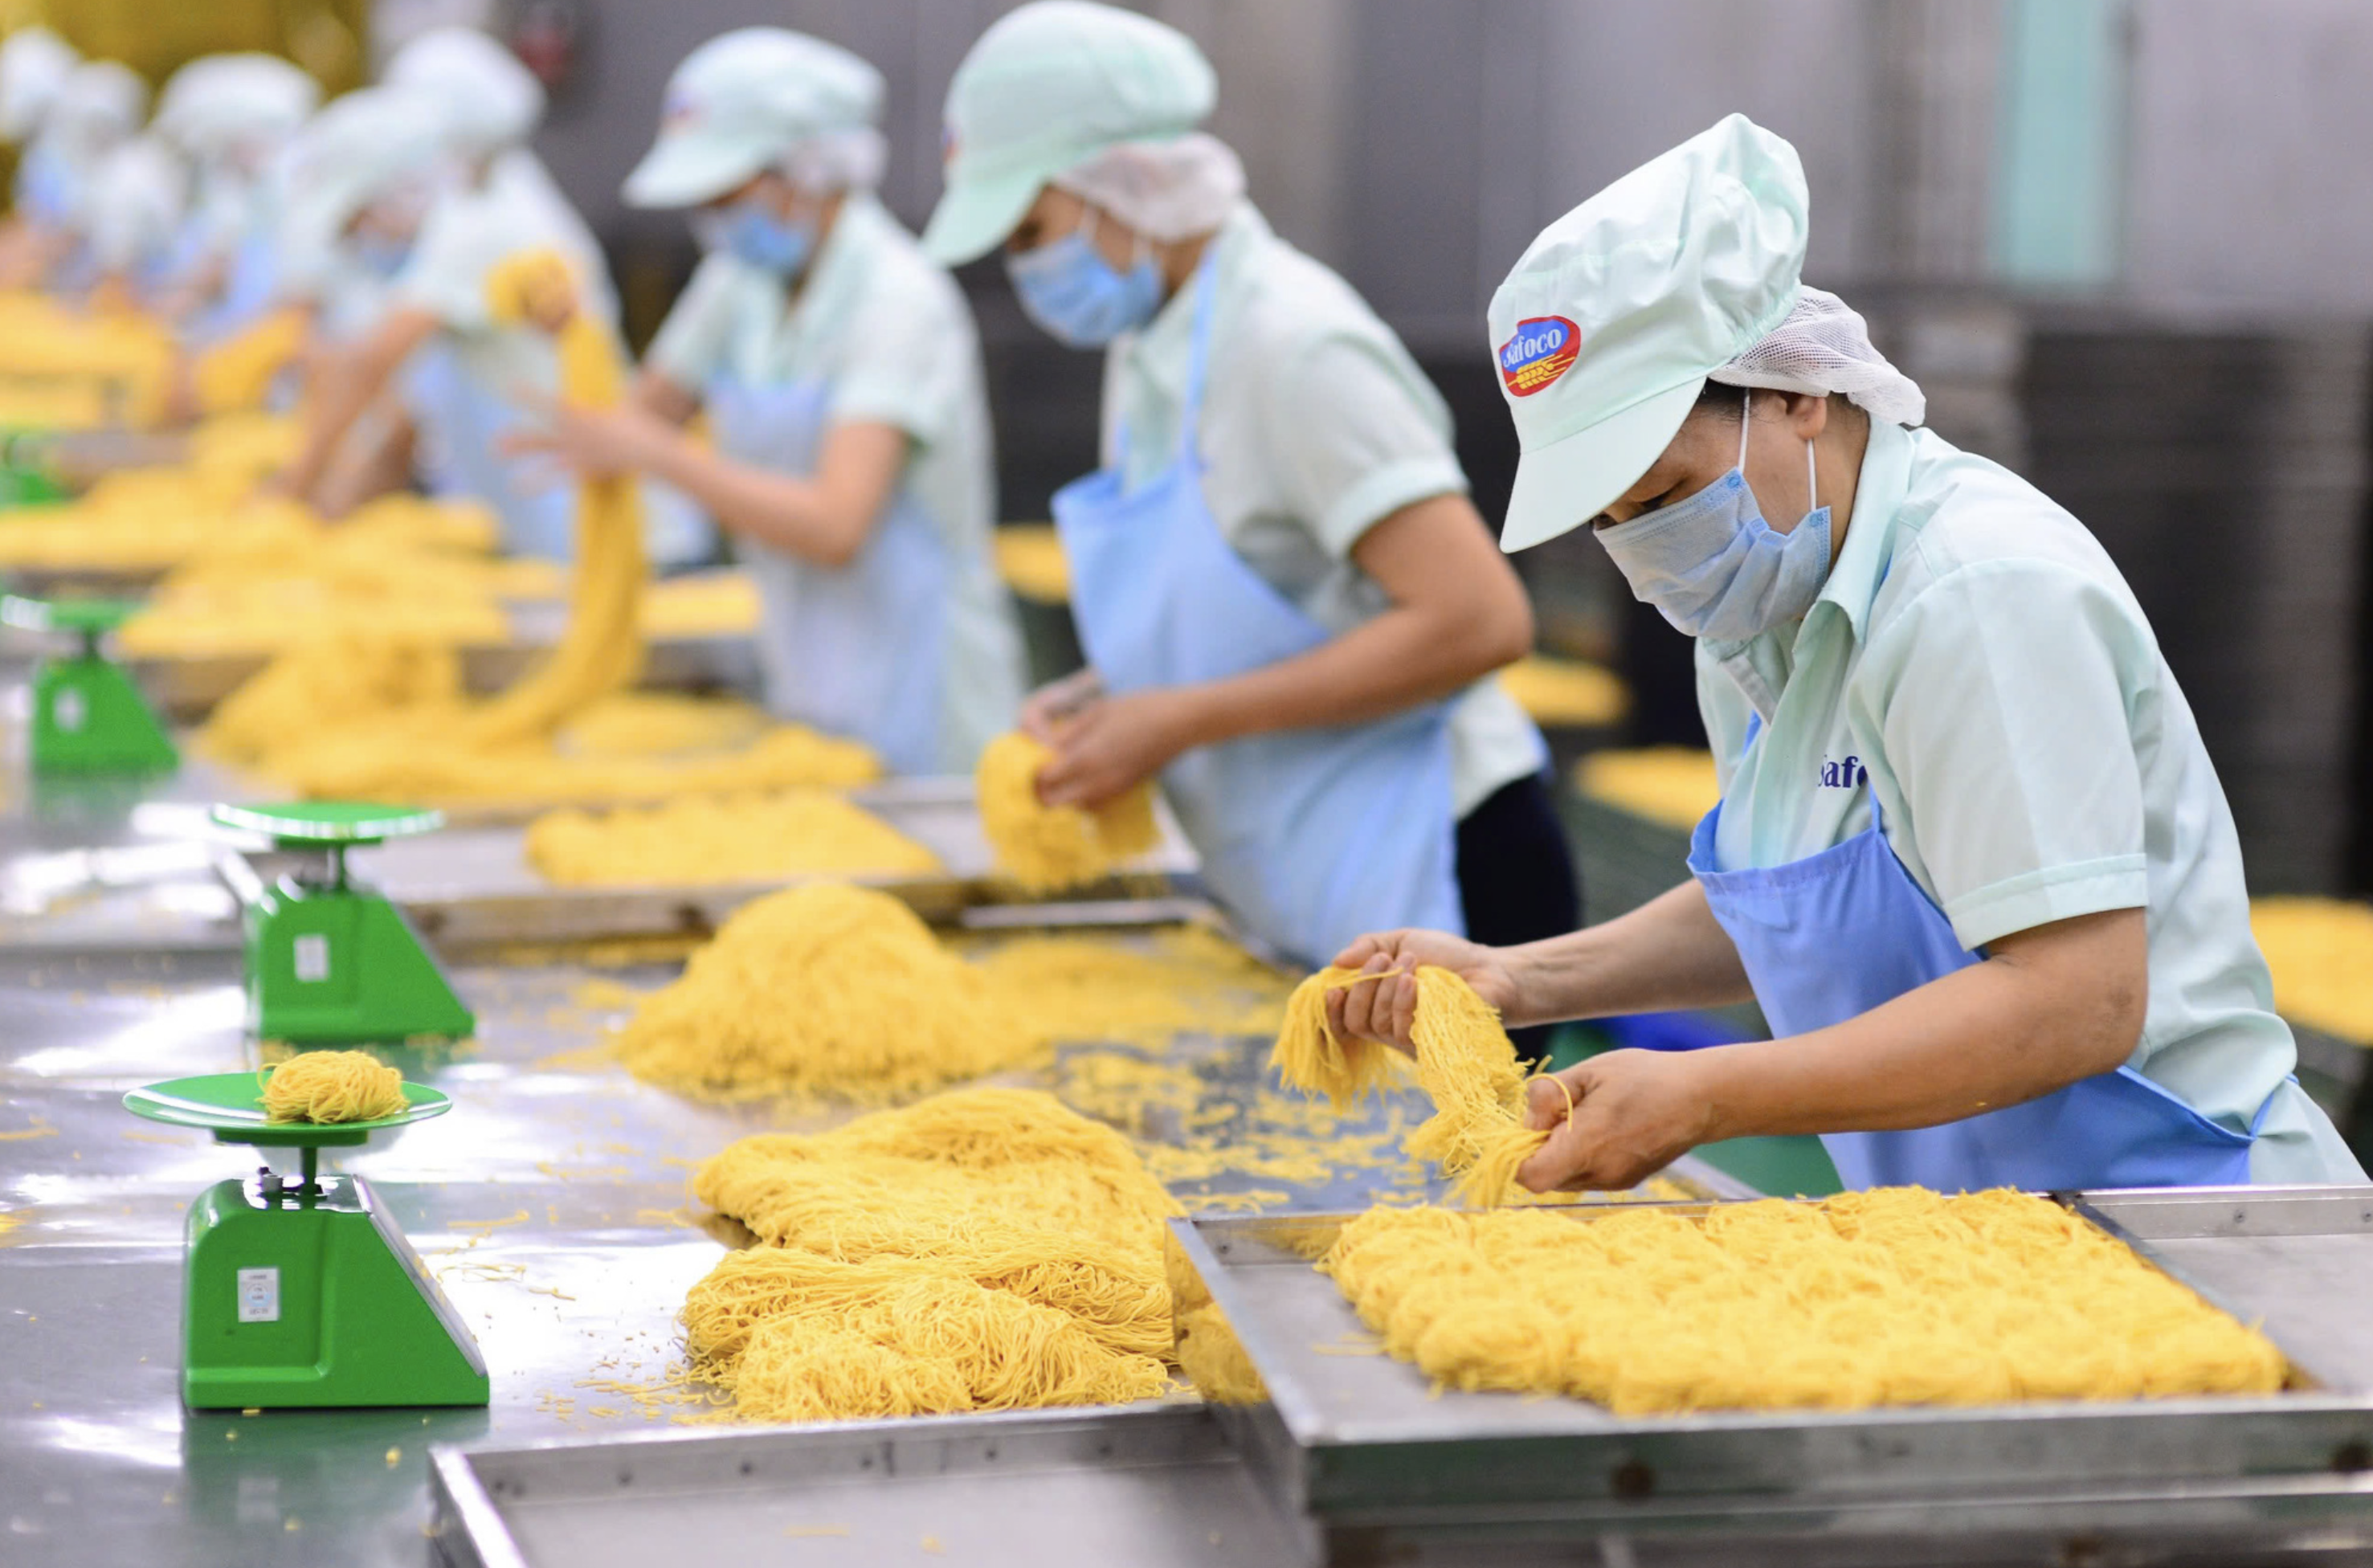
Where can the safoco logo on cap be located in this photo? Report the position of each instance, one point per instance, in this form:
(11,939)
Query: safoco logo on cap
(1539,352)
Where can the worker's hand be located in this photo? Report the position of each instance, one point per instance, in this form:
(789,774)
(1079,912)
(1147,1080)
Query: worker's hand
(1056,701)
(1115,743)
(1383,1010)
(1634,1113)
(595,443)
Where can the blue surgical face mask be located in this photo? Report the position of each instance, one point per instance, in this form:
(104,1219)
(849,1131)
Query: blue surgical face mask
(1082,301)
(751,231)
(379,254)
(1713,567)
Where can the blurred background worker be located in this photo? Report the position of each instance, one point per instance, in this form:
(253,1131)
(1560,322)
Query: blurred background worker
(139,193)
(841,375)
(97,107)
(1289,607)
(233,118)
(435,229)
(34,64)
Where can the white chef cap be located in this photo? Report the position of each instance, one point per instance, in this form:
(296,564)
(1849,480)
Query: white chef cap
(137,199)
(1167,190)
(1823,346)
(211,105)
(99,103)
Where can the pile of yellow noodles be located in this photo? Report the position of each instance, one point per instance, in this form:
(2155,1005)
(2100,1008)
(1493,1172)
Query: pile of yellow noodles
(982,1250)
(1049,847)
(238,373)
(332,1086)
(405,567)
(2320,950)
(65,369)
(1565,691)
(842,992)
(1672,785)
(1466,1063)
(729,840)
(1894,1297)
(821,990)
(1030,558)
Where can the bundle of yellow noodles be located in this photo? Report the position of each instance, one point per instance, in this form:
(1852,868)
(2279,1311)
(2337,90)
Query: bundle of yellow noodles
(1894,1297)
(1466,1063)
(841,992)
(332,1086)
(1046,848)
(982,1250)
(238,373)
(737,838)
(821,990)
(2320,952)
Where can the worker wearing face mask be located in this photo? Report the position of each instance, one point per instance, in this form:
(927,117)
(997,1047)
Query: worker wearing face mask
(233,118)
(1290,606)
(1971,857)
(841,375)
(94,108)
(480,199)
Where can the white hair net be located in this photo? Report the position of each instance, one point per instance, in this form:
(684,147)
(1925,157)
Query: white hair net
(213,104)
(850,158)
(34,62)
(490,101)
(98,104)
(136,200)
(1824,346)
(1166,190)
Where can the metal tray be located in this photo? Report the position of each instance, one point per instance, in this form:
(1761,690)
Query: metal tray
(1151,1487)
(1364,1443)
(472,882)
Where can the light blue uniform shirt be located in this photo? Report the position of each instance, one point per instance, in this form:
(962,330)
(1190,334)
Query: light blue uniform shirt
(1977,660)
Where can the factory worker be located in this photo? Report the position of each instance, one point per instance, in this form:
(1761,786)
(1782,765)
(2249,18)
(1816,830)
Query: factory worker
(464,203)
(97,106)
(138,194)
(34,66)
(1970,858)
(842,379)
(1287,603)
(233,117)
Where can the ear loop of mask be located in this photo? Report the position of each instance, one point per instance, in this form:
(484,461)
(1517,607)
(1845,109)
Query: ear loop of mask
(1812,471)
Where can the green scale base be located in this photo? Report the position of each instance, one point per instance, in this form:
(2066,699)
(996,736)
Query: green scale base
(330,962)
(89,717)
(299,1296)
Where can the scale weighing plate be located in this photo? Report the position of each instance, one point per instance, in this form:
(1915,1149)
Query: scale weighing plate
(230,1105)
(306,1293)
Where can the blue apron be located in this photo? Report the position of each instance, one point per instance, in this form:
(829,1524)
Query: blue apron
(460,423)
(859,650)
(1835,934)
(1311,836)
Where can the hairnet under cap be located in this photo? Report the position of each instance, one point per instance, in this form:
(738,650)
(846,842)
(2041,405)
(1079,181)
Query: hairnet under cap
(1166,190)
(1824,346)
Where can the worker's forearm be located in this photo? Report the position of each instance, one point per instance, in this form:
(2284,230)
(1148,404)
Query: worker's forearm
(790,514)
(1668,953)
(1996,1033)
(1403,657)
(336,396)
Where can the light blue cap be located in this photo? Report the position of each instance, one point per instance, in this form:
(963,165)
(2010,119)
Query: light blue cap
(1610,323)
(740,103)
(1047,86)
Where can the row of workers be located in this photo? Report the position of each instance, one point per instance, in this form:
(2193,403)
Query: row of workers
(1972,859)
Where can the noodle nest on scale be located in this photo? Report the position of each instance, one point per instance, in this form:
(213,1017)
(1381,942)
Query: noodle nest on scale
(332,1086)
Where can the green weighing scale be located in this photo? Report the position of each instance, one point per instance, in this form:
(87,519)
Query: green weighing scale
(329,961)
(305,1292)
(88,715)
(27,477)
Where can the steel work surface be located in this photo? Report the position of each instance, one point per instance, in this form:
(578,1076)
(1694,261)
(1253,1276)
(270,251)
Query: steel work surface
(1149,1487)
(474,883)
(1362,1440)
(582,1171)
